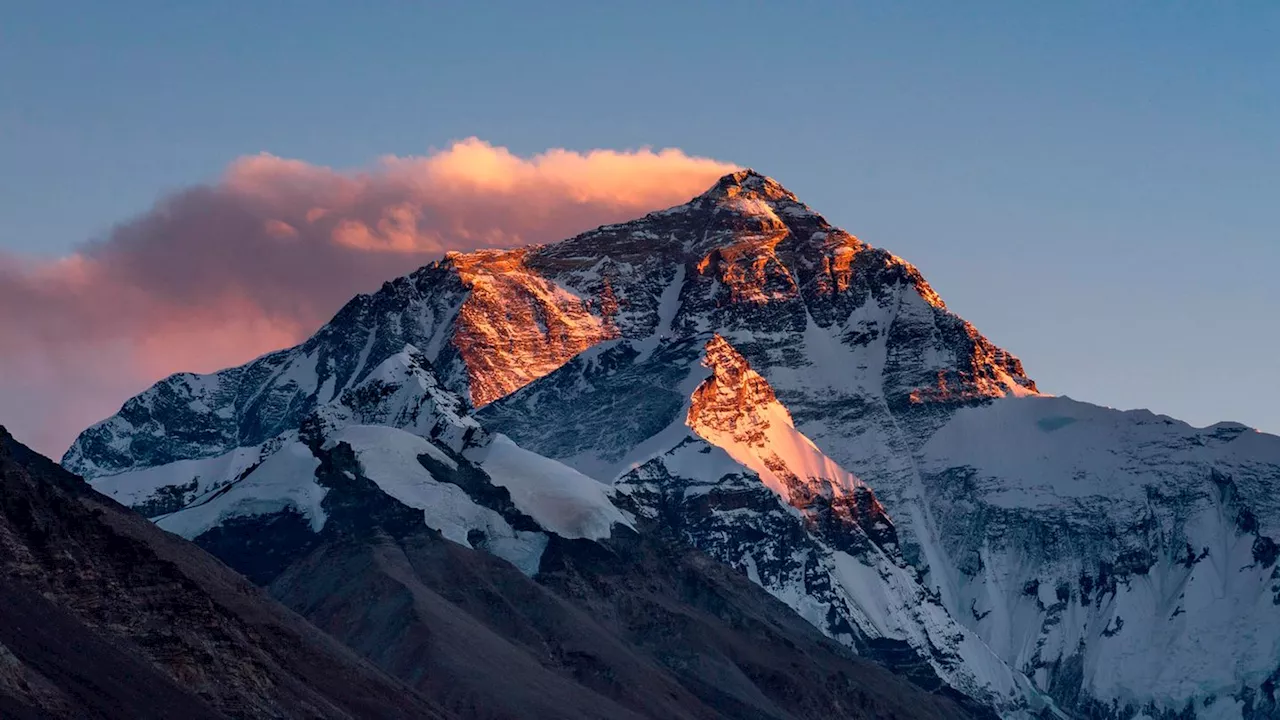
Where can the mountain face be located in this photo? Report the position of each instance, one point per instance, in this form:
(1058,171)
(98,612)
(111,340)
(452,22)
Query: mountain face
(104,616)
(737,377)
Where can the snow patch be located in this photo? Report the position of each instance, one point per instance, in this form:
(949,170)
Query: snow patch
(389,457)
(559,498)
(284,480)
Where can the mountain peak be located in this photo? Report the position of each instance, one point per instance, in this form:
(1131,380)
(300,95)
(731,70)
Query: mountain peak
(748,183)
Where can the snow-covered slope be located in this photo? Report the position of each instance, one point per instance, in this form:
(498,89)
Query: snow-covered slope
(409,436)
(560,499)
(736,410)
(742,484)
(1052,530)
(1129,549)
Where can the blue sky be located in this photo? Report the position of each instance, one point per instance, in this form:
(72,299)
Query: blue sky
(1095,185)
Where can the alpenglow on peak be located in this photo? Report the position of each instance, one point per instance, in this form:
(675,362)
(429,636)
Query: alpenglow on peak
(748,181)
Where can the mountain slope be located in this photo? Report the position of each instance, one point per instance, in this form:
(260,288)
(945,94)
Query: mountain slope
(588,352)
(104,615)
(1126,549)
(741,483)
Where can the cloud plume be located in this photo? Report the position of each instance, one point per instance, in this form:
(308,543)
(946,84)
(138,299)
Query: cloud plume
(217,274)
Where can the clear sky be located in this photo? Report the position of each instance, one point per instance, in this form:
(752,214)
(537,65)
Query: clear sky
(1095,185)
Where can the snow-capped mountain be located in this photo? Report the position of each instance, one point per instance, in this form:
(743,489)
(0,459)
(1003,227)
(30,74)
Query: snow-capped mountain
(739,374)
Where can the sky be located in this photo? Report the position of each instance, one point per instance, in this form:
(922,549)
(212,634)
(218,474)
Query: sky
(1094,185)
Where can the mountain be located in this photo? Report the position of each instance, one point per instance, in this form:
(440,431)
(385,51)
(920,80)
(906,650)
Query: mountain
(102,615)
(745,380)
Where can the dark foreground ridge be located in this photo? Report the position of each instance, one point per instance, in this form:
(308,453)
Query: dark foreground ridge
(104,615)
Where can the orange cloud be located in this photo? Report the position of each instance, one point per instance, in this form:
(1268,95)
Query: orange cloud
(217,274)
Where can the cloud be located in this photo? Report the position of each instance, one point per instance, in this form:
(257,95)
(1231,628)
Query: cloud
(217,274)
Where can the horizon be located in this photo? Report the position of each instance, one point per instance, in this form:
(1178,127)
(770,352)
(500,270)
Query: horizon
(1086,186)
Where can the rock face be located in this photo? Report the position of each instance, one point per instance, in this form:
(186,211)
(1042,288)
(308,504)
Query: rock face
(755,383)
(104,615)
